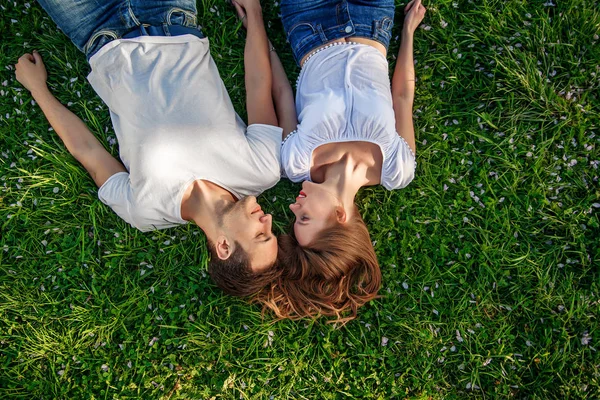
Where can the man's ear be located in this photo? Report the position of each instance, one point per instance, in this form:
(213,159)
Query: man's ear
(340,214)
(223,247)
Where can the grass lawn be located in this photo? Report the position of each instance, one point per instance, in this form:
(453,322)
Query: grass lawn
(490,258)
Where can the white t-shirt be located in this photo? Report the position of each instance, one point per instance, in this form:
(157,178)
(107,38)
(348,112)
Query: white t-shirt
(343,95)
(175,124)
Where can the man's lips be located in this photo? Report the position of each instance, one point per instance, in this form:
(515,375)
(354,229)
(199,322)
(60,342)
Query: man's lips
(301,195)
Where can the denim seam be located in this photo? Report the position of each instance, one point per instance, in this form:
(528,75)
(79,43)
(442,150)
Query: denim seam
(132,15)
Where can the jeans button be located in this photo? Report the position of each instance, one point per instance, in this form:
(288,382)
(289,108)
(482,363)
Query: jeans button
(348,29)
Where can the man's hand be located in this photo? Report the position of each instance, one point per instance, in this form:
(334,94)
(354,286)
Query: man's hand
(245,7)
(241,13)
(31,71)
(414,12)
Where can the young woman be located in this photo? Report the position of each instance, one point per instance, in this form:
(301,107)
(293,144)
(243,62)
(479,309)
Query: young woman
(355,130)
(185,155)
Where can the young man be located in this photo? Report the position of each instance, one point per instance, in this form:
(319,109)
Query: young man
(185,153)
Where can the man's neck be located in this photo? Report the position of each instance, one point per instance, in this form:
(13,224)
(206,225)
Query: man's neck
(202,202)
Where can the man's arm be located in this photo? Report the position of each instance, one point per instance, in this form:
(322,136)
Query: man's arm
(283,96)
(76,136)
(257,65)
(403,81)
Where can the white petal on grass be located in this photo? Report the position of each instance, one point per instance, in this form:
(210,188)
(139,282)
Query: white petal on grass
(405,285)
(586,339)
(459,337)
(384,341)
(55,190)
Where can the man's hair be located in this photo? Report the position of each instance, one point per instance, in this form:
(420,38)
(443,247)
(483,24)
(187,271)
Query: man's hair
(235,275)
(333,275)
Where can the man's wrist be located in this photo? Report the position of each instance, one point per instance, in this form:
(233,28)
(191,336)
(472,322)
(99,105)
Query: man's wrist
(40,90)
(254,13)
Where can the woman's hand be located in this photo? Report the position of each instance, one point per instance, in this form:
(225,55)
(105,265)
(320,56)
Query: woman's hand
(31,71)
(414,12)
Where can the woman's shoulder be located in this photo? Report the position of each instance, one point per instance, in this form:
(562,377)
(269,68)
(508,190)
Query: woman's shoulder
(295,157)
(399,165)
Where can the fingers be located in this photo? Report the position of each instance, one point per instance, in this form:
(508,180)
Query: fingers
(413,5)
(37,58)
(26,58)
(239,10)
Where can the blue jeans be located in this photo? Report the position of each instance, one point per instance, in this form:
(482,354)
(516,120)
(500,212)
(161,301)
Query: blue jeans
(311,23)
(90,24)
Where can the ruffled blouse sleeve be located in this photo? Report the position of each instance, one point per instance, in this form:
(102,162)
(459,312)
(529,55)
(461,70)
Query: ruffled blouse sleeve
(400,164)
(295,158)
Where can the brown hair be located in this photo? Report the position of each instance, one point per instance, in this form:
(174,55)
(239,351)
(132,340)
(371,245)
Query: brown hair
(235,276)
(333,275)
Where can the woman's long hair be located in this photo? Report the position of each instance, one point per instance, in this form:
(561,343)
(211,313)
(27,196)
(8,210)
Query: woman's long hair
(333,275)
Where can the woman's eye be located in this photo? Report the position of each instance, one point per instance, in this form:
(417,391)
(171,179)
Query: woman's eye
(304,218)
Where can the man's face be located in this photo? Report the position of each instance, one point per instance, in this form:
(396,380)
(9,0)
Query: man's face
(245,222)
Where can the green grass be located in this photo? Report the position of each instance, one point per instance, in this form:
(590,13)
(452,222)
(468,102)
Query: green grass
(490,258)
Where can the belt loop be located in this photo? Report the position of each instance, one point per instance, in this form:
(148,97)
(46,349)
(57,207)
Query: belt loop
(322,33)
(143,30)
(166,30)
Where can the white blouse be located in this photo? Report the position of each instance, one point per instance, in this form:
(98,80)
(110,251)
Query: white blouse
(343,95)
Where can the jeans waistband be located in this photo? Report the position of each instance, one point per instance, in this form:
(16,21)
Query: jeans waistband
(162,30)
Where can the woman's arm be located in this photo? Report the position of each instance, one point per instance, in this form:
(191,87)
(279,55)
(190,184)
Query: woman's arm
(403,81)
(76,136)
(257,65)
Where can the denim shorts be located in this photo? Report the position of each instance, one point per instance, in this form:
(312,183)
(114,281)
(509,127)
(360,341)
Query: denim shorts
(90,24)
(311,23)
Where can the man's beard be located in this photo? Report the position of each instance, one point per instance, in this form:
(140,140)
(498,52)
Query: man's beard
(229,208)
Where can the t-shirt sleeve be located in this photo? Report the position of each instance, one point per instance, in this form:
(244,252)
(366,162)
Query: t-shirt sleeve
(399,169)
(116,193)
(265,141)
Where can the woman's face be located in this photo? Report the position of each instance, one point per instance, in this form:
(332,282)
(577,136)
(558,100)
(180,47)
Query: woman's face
(315,210)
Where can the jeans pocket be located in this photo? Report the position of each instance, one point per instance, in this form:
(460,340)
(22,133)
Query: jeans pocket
(300,34)
(384,28)
(179,16)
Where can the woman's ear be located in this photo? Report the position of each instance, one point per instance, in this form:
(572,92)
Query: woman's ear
(340,214)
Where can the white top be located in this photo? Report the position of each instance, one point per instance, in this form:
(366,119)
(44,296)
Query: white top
(344,95)
(175,124)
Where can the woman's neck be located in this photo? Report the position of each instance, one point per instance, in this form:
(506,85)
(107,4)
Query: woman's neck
(344,178)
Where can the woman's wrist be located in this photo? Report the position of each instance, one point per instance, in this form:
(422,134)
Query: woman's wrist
(407,33)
